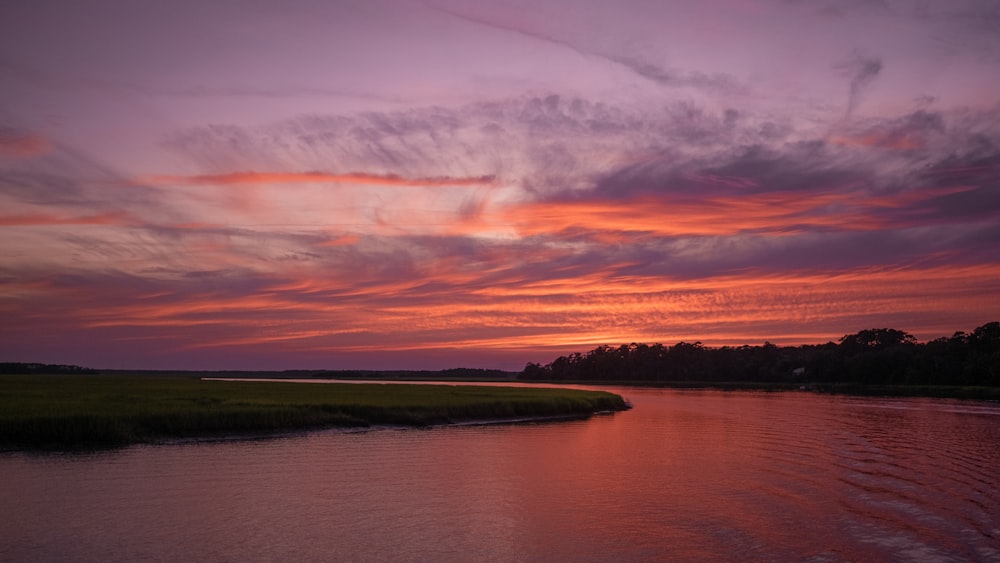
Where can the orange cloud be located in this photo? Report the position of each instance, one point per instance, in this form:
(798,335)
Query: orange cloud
(37,219)
(777,213)
(343,240)
(328,316)
(446,311)
(251,177)
(22,145)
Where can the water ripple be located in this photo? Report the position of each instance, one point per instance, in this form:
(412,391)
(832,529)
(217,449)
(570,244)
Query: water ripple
(686,475)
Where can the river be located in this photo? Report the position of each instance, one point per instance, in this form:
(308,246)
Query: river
(685,475)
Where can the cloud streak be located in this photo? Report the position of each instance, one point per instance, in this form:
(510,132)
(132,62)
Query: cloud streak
(249,177)
(19,144)
(862,70)
(635,64)
(40,219)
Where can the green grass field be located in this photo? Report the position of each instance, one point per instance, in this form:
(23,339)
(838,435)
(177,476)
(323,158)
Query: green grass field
(87,411)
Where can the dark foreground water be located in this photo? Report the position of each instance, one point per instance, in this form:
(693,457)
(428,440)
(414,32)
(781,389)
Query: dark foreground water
(686,475)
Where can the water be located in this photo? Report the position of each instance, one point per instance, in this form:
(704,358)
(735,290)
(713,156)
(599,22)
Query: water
(685,475)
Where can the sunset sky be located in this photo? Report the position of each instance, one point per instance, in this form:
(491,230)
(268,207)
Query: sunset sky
(381,184)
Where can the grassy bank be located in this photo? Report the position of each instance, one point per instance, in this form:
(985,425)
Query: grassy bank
(83,411)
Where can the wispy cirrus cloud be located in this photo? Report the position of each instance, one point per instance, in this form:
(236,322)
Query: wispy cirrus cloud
(637,64)
(641,189)
(556,214)
(775,213)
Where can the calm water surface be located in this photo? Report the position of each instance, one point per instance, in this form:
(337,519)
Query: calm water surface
(686,475)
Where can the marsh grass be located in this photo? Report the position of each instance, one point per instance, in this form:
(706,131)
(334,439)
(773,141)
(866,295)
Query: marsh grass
(77,411)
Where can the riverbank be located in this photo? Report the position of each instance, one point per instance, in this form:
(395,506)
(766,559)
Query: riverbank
(86,411)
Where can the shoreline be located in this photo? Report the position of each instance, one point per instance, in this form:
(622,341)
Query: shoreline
(293,433)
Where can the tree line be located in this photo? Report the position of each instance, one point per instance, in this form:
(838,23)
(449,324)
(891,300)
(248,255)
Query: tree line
(877,356)
(33,368)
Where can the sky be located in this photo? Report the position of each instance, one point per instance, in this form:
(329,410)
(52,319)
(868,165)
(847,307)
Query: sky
(397,184)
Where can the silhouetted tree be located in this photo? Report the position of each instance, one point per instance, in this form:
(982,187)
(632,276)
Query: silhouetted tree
(870,356)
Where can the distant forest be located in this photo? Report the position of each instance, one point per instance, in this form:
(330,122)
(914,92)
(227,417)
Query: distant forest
(878,356)
(29,368)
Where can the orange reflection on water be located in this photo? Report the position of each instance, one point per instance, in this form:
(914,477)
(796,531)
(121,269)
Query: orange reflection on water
(684,476)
